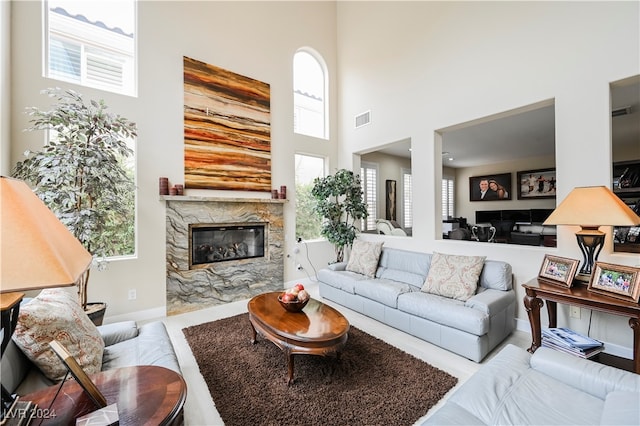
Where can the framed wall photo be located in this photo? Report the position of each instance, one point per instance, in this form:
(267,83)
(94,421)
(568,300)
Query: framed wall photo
(618,281)
(391,199)
(490,188)
(558,270)
(536,184)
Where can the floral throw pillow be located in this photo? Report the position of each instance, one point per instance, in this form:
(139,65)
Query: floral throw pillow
(364,257)
(453,276)
(56,314)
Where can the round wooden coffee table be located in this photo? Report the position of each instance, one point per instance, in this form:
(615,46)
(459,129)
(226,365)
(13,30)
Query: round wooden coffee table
(317,330)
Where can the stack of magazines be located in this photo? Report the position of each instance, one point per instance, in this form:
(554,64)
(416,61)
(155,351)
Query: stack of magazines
(567,340)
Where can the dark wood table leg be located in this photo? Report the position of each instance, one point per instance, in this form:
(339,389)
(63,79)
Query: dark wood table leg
(552,312)
(290,368)
(532,304)
(634,323)
(253,334)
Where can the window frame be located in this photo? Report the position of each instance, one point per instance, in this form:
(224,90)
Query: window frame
(325,89)
(369,224)
(110,48)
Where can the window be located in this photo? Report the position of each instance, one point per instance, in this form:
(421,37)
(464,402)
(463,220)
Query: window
(448,197)
(307,168)
(368,180)
(407,199)
(309,95)
(92,43)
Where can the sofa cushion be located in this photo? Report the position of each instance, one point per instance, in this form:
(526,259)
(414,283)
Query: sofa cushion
(496,275)
(152,346)
(621,408)
(381,290)
(364,257)
(405,266)
(56,314)
(445,311)
(453,276)
(343,280)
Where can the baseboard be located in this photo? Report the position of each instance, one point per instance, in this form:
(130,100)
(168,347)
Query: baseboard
(138,316)
(609,348)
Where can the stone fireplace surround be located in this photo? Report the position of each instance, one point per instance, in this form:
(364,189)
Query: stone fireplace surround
(215,284)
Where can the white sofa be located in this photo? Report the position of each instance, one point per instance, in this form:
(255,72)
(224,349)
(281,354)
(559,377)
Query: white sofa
(471,328)
(546,388)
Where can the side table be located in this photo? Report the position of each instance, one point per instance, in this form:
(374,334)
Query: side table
(146,395)
(538,290)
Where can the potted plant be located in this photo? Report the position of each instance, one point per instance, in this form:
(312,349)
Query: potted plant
(339,204)
(80,174)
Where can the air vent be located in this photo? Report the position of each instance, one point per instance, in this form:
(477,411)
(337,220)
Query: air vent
(363,119)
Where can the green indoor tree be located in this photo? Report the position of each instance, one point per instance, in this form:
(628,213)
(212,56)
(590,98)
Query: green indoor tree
(339,204)
(81,173)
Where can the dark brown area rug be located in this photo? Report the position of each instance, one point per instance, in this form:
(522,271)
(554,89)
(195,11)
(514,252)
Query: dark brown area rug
(373,383)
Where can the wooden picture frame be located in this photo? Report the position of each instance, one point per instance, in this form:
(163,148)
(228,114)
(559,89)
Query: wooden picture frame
(558,270)
(622,282)
(78,373)
(500,192)
(537,184)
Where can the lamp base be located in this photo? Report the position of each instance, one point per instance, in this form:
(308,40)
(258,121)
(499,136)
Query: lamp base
(582,278)
(21,413)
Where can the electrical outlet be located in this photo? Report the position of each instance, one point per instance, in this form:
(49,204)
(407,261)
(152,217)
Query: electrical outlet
(574,312)
(299,267)
(132,294)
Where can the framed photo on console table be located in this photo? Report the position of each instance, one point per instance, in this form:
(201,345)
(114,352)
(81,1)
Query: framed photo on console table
(540,183)
(558,270)
(618,281)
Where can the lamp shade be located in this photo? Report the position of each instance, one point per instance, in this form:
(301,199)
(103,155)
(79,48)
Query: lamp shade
(592,206)
(36,250)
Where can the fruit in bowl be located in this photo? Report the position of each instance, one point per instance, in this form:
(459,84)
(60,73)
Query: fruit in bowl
(294,298)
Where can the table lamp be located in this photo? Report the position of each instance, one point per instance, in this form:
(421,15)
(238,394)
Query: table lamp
(36,251)
(591,207)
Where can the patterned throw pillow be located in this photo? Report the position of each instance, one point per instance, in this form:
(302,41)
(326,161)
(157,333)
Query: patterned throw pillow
(364,257)
(453,276)
(56,314)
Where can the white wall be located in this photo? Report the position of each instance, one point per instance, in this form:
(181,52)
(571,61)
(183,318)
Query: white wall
(424,66)
(255,39)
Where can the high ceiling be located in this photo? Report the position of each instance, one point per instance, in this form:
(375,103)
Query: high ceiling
(525,133)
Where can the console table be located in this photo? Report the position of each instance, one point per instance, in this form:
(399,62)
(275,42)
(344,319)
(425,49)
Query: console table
(146,395)
(538,290)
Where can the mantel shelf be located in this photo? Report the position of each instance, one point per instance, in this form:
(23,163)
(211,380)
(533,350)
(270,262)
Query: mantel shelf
(204,199)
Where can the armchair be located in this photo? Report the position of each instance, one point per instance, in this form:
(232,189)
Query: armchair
(386,227)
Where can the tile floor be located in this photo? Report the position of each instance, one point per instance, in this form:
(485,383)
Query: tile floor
(200,408)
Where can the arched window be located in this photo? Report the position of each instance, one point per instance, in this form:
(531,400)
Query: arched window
(310,104)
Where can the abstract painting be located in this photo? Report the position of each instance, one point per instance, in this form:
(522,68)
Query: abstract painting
(227,129)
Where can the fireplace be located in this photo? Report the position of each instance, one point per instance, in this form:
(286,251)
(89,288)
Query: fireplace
(211,243)
(249,235)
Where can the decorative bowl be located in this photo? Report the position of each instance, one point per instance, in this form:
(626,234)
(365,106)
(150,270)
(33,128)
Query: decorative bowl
(294,305)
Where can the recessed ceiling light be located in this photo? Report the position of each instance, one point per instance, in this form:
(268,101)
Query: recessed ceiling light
(450,158)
